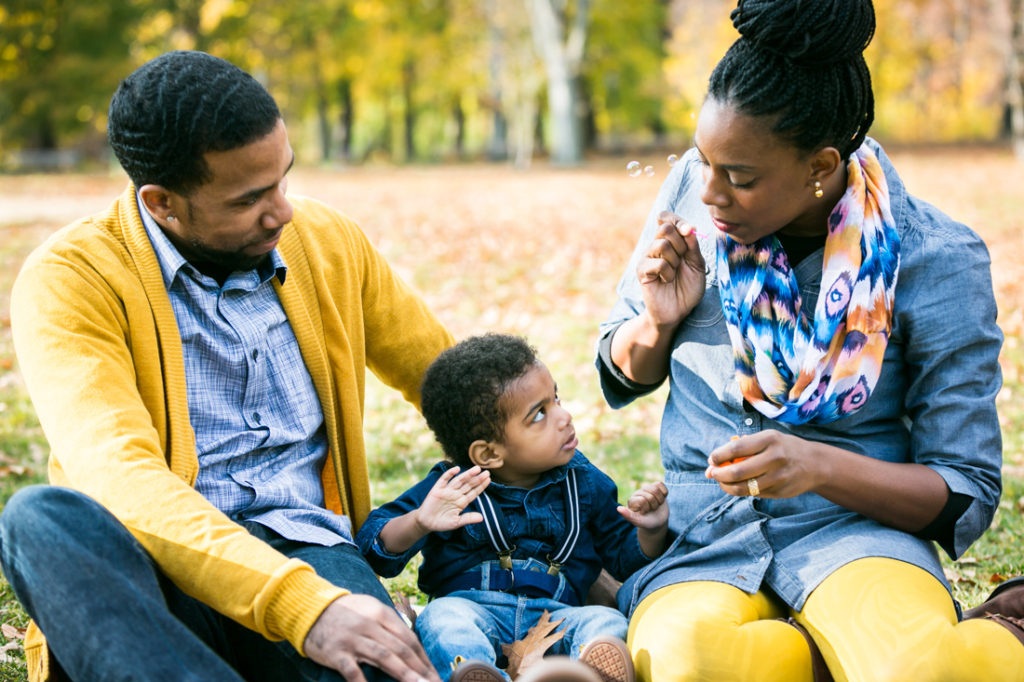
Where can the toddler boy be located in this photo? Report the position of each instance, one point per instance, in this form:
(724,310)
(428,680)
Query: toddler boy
(536,540)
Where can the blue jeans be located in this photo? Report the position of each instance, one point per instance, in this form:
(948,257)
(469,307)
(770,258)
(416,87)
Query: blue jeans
(474,624)
(108,613)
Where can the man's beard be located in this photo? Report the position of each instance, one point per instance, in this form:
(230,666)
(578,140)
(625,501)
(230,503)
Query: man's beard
(219,264)
(235,260)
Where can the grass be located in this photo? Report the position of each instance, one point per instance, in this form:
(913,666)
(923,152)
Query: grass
(537,253)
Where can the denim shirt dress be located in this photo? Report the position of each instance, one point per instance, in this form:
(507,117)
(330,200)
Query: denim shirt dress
(536,521)
(934,404)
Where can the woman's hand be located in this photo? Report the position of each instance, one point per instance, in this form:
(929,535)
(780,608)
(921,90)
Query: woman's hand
(780,464)
(672,280)
(903,495)
(672,272)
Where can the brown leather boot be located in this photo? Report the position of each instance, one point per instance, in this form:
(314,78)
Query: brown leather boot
(1005,606)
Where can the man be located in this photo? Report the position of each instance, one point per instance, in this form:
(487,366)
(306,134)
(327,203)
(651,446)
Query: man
(197,355)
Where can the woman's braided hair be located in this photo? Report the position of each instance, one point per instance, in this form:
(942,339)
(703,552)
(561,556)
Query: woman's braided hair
(174,109)
(801,62)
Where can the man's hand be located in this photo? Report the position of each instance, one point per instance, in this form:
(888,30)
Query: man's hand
(357,629)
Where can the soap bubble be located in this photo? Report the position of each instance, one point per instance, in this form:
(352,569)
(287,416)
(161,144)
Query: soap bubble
(672,159)
(634,169)
(649,171)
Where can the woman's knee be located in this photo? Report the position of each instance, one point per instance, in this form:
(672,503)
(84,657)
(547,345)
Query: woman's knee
(711,631)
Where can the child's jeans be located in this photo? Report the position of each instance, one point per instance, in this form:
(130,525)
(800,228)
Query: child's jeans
(473,624)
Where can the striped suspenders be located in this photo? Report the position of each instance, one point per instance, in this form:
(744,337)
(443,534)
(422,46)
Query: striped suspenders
(499,538)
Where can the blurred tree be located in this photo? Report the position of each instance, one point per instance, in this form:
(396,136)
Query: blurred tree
(560,33)
(430,79)
(626,84)
(60,60)
(1015,78)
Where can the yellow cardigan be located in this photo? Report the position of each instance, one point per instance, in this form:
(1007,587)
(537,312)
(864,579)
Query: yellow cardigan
(99,348)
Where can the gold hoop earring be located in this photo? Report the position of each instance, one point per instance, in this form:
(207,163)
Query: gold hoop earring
(818,191)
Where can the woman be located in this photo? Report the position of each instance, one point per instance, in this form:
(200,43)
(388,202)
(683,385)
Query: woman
(831,348)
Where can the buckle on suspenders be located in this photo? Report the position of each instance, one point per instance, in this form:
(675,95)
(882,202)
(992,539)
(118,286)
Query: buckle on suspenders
(504,548)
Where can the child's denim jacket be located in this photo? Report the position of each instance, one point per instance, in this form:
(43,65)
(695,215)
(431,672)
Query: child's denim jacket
(535,518)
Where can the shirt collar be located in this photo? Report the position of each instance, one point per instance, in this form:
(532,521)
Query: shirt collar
(171,261)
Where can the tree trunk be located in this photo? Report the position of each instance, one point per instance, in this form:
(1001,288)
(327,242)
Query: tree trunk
(561,43)
(459,115)
(1015,78)
(347,118)
(409,117)
(497,149)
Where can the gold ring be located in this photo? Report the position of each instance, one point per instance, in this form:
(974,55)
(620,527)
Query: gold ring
(752,487)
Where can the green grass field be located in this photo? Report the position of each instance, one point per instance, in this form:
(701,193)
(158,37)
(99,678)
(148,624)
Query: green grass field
(535,253)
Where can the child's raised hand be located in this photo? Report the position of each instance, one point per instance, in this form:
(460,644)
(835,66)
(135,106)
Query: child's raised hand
(442,509)
(646,507)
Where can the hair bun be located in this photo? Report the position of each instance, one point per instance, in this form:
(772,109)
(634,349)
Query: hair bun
(808,32)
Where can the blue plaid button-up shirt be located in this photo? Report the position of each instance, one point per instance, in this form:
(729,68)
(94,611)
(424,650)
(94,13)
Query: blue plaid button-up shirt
(252,404)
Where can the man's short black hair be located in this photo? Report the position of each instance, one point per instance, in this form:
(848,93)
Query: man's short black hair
(463,391)
(177,107)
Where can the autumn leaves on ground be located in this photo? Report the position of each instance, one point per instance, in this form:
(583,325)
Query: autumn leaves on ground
(535,252)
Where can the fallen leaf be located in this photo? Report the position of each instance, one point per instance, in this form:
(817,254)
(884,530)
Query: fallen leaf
(13,470)
(405,608)
(11,632)
(955,576)
(531,649)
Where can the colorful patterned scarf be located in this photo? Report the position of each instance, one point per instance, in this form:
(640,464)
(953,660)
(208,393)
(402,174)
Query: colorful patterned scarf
(798,371)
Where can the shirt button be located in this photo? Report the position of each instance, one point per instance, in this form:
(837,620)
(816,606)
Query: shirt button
(256,417)
(748,421)
(255,353)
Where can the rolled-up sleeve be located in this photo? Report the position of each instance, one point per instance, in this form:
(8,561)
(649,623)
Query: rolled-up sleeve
(952,357)
(618,390)
(383,562)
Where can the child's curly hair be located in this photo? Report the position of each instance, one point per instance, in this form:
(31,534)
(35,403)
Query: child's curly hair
(463,391)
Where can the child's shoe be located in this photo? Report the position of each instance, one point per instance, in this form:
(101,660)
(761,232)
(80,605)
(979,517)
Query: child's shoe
(559,669)
(476,671)
(610,657)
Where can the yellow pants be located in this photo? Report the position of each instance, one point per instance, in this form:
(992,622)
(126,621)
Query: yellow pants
(875,620)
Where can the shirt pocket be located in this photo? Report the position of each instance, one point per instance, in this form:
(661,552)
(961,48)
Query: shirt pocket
(708,312)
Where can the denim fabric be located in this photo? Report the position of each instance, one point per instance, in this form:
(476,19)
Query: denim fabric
(474,625)
(109,613)
(535,521)
(934,404)
(256,416)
